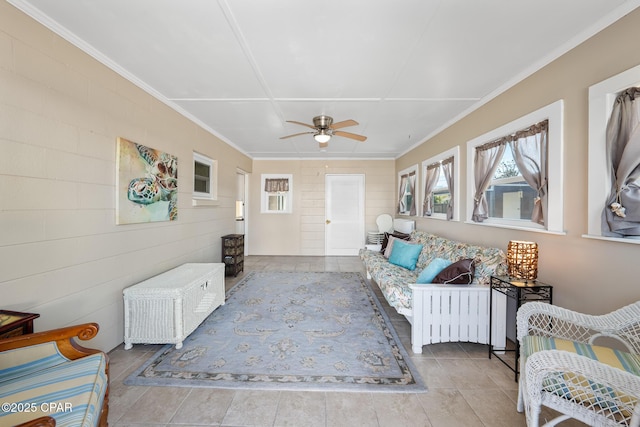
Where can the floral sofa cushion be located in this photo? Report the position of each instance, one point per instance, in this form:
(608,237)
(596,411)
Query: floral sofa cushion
(394,281)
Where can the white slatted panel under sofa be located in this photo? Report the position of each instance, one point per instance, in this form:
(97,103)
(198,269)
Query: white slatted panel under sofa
(167,308)
(455,313)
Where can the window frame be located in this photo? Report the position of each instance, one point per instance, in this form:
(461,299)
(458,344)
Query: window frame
(554,112)
(264,195)
(416,198)
(212,194)
(601,99)
(455,153)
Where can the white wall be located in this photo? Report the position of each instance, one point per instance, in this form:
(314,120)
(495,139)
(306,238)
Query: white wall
(61,254)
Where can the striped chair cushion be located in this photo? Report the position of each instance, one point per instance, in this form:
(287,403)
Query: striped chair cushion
(21,361)
(72,392)
(618,359)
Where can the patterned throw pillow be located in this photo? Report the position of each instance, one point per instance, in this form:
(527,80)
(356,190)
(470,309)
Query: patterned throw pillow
(386,239)
(389,248)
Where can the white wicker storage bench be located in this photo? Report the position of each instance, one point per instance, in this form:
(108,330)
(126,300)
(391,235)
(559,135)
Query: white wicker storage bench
(166,308)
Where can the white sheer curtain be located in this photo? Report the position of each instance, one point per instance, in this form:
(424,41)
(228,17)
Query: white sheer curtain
(530,148)
(447,170)
(401,193)
(412,183)
(621,214)
(431,179)
(486,161)
(407,191)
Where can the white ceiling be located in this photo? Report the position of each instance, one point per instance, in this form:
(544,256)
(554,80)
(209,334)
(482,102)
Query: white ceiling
(403,69)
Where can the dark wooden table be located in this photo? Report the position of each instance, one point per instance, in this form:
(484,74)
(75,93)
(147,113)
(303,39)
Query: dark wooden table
(14,323)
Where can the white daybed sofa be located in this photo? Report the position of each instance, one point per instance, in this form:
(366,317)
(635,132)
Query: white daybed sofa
(437,312)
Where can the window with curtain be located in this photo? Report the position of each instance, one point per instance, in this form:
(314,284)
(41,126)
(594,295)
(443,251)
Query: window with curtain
(621,210)
(511,176)
(443,195)
(612,170)
(407,191)
(432,177)
(440,185)
(517,173)
(438,189)
(276,193)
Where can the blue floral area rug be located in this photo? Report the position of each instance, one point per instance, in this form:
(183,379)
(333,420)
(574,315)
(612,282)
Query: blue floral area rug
(322,331)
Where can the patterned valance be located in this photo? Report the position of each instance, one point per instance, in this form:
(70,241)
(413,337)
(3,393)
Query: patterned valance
(275,185)
(530,131)
(447,160)
(436,165)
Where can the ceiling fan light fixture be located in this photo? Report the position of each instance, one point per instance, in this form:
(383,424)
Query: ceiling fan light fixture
(324,129)
(322,136)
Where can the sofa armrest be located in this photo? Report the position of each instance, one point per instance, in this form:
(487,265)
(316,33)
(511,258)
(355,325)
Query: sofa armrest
(39,422)
(64,338)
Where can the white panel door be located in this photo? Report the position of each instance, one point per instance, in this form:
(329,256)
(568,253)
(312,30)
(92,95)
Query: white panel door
(511,205)
(344,214)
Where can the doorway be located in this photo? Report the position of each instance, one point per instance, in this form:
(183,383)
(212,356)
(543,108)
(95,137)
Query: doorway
(242,189)
(511,205)
(344,214)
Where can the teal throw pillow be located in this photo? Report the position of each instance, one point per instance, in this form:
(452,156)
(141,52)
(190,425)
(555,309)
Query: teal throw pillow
(405,254)
(432,270)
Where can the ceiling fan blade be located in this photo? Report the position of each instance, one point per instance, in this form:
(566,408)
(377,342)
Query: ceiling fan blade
(344,124)
(300,123)
(323,145)
(350,135)
(295,134)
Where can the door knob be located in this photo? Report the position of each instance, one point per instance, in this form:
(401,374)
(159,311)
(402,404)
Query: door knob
(328,221)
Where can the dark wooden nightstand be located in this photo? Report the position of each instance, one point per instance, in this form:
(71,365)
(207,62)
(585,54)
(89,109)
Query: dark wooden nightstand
(233,253)
(14,323)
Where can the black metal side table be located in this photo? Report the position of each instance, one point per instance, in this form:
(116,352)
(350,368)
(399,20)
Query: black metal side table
(521,291)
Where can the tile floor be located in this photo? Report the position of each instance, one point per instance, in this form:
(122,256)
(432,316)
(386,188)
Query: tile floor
(465,388)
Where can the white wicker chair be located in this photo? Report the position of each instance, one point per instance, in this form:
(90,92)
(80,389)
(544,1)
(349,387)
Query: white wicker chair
(577,386)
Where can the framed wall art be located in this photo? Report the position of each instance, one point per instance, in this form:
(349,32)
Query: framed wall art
(146,184)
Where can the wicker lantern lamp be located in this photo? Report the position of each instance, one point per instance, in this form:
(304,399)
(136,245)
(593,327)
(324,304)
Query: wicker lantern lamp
(522,260)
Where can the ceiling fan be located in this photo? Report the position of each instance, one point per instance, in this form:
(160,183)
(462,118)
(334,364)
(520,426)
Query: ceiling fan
(324,128)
